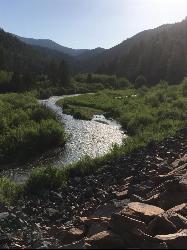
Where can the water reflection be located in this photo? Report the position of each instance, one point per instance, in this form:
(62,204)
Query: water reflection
(93,138)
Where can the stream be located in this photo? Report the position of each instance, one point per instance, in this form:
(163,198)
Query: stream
(85,138)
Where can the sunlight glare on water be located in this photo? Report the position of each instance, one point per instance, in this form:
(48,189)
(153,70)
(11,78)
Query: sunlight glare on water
(92,138)
(85,138)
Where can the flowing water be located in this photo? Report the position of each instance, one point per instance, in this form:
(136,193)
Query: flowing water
(93,138)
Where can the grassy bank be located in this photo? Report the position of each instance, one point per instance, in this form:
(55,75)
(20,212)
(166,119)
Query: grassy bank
(26,128)
(79,112)
(153,112)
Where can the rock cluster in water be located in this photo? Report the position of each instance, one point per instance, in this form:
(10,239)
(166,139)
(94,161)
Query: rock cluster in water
(138,202)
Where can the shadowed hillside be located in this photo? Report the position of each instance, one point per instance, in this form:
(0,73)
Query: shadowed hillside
(157,54)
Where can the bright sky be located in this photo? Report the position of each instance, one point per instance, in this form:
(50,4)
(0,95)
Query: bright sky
(87,23)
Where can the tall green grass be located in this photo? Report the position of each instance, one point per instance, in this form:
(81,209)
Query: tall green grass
(26,128)
(9,191)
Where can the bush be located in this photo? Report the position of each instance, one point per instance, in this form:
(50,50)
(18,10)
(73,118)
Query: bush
(8,190)
(139,122)
(43,179)
(27,128)
(42,113)
(140,81)
(184,87)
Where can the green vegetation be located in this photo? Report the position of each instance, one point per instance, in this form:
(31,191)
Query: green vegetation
(148,115)
(85,106)
(105,81)
(79,112)
(8,190)
(26,128)
(83,113)
(155,112)
(157,54)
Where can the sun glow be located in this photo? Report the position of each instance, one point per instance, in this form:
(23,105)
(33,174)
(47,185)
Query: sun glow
(168,2)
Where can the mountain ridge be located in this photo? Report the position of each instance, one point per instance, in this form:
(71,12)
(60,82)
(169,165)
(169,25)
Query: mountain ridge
(50,44)
(158,54)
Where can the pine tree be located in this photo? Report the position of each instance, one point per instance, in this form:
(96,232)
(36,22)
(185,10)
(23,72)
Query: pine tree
(64,74)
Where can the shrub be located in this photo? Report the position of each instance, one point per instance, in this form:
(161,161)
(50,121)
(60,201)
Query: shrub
(42,179)
(184,87)
(8,190)
(140,81)
(42,113)
(26,128)
(139,122)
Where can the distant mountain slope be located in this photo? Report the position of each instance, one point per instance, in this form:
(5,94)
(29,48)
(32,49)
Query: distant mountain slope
(47,43)
(18,56)
(90,53)
(159,53)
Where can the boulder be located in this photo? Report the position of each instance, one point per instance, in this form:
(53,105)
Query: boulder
(175,241)
(144,211)
(89,220)
(169,199)
(95,225)
(145,241)
(183,184)
(105,240)
(120,203)
(121,195)
(141,211)
(161,225)
(75,245)
(134,216)
(167,223)
(180,161)
(177,172)
(68,236)
(180,209)
(169,185)
(134,234)
(178,220)
(121,224)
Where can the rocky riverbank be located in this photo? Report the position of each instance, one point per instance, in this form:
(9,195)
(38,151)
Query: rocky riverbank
(138,202)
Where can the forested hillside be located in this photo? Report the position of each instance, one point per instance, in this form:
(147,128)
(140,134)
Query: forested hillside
(47,43)
(24,67)
(157,54)
(17,56)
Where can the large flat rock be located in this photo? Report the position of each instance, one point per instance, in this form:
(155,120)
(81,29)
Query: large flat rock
(175,241)
(145,209)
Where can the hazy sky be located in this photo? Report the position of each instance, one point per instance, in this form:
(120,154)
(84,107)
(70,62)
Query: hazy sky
(87,23)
